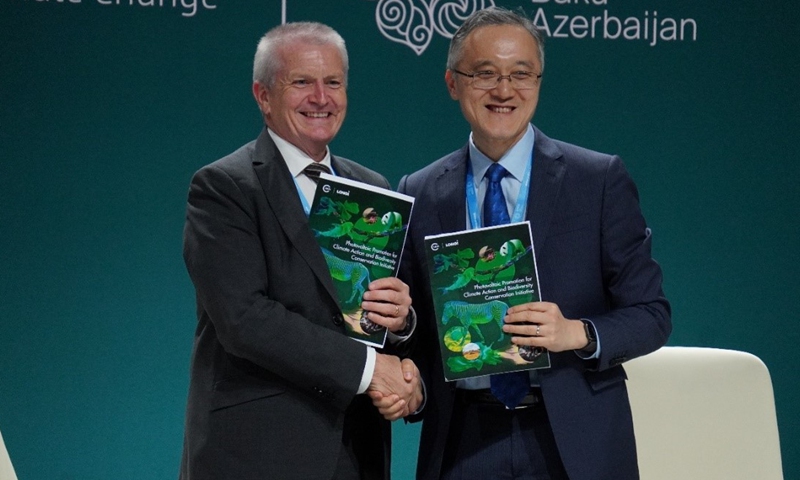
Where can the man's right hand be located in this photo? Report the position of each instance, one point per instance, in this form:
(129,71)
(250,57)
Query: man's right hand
(395,388)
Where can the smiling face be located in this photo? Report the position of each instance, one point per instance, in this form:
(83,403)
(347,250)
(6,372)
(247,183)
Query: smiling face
(499,117)
(307,104)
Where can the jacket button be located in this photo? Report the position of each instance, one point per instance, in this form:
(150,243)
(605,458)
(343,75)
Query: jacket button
(337,319)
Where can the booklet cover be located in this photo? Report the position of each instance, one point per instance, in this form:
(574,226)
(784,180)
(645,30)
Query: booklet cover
(361,230)
(476,275)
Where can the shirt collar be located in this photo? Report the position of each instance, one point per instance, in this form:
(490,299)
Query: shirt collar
(515,160)
(295,158)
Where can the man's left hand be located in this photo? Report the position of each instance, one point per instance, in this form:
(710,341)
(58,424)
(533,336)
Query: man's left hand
(388,302)
(541,324)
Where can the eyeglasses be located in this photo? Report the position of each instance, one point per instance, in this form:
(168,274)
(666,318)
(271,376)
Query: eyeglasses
(487,80)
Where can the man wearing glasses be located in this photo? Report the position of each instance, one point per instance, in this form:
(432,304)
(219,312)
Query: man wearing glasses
(602,298)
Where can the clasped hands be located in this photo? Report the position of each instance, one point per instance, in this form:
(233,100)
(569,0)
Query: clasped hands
(395,389)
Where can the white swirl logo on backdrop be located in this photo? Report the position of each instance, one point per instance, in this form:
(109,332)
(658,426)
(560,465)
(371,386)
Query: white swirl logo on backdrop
(414,22)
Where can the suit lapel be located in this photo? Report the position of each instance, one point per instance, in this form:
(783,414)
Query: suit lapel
(451,192)
(340,168)
(283,199)
(546,178)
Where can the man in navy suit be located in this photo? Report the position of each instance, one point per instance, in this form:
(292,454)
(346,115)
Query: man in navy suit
(277,390)
(602,303)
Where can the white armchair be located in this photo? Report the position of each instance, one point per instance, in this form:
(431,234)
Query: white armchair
(704,413)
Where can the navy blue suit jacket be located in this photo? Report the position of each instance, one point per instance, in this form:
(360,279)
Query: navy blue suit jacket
(593,255)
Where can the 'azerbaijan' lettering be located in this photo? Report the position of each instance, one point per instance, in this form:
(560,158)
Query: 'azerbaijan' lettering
(649,27)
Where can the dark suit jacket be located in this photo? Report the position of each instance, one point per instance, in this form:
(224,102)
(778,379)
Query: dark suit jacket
(272,373)
(593,254)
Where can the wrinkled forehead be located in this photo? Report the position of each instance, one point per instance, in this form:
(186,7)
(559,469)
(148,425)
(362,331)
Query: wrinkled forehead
(310,57)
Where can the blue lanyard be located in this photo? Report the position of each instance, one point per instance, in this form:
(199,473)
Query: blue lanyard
(522,197)
(306,206)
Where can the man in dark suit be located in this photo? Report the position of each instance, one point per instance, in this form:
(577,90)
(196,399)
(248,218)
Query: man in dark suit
(602,298)
(277,390)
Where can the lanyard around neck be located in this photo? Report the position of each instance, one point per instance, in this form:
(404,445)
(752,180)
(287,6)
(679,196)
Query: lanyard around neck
(519,208)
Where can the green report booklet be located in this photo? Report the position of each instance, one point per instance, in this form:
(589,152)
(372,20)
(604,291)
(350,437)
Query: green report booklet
(361,230)
(476,275)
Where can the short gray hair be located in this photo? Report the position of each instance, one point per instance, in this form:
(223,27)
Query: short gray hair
(268,61)
(487,17)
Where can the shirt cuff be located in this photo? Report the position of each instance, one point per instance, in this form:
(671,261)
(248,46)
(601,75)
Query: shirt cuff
(424,399)
(369,369)
(583,355)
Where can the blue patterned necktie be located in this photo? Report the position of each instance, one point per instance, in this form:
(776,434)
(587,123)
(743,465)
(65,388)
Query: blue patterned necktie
(509,388)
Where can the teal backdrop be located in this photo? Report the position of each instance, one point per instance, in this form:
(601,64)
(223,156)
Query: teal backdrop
(107,107)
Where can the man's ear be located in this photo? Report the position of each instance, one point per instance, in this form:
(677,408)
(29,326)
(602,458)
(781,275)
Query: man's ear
(450,81)
(261,94)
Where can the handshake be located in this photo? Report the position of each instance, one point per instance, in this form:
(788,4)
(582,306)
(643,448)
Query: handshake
(395,389)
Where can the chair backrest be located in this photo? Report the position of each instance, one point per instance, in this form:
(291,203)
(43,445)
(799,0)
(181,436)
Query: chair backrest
(704,413)
(6,469)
